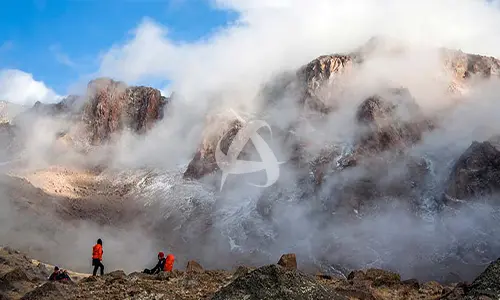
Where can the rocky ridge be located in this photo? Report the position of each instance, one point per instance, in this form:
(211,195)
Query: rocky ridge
(379,115)
(23,278)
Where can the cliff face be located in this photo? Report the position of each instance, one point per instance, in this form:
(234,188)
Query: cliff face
(113,106)
(475,174)
(321,73)
(389,120)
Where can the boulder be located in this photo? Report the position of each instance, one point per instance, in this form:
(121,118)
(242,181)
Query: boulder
(8,280)
(288,261)
(456,292)
(113,106)
(49,290)
(476,173)
(487,284)
(116,274)
(376,276)
(15,275)
(275,282)
(193,267)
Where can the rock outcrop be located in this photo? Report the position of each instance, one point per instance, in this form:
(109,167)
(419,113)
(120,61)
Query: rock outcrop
(319,76)
(487,285)
(390,120)
(113,106)
(275,282)
(464,66)
(218,128)
(476,173)
(322,75)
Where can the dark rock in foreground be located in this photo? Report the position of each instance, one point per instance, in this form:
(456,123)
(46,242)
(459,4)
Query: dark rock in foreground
(275,282)
(49,290)
(487,285)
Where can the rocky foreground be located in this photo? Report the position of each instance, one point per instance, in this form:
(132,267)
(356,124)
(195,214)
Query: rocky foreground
(24,278)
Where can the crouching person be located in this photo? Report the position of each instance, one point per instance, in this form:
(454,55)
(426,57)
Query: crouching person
(160,266)
(59,275)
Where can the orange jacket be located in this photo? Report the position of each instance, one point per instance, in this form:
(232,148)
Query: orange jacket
(97,252)
(169,264)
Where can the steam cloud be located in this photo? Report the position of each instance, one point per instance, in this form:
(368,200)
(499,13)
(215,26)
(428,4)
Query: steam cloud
(228,70)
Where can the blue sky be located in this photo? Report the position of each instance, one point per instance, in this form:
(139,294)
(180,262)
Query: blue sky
(53,47)
(58,41)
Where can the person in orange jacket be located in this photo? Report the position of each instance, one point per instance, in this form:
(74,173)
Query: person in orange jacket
(97,257)
(160,266)
(164,264)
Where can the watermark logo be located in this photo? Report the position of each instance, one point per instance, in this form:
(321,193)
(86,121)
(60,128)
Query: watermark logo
(229,163)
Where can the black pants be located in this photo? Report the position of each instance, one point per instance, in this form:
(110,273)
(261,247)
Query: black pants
(151,272)
(97,264)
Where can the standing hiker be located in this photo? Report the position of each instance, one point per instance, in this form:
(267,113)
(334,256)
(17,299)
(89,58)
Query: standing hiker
(97,257)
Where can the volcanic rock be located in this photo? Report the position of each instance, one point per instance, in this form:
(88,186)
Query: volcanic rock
(476,173)
(288,261)
(113,106)
(487,284)
(275,282)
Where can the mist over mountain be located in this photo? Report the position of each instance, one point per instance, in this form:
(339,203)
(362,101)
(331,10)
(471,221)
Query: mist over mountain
(384,116)
(381,169)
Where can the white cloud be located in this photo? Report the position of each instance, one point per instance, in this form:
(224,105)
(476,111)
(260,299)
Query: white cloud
(21,88)
(62,57)
(275,35)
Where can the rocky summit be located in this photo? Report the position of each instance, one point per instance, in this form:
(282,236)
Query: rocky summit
(113,106)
